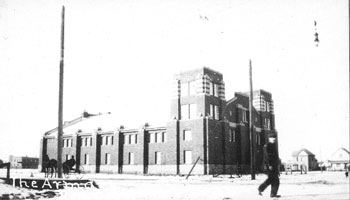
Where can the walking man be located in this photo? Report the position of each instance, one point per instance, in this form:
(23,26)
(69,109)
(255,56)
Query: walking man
(271,160)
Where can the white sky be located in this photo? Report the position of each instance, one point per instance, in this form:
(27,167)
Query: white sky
(120,57)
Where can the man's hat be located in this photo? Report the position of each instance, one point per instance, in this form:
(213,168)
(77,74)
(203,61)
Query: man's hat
(272,135)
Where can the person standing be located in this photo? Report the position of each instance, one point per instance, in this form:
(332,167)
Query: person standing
(271,161)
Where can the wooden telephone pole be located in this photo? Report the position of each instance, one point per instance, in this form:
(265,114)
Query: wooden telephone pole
(251,125)
(60,104)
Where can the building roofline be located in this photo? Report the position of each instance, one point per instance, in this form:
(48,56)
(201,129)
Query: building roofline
(231,100)
(342,148)
(197,69)
(296,153)
(242,94)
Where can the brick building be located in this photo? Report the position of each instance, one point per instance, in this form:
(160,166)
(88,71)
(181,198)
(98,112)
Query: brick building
(204,127)
(23,162)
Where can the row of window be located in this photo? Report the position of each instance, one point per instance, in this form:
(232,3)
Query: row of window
(68,142)
(107,140)
(187,158)
(232,136)
(267,124)
(214,112)
(131,158)
(87,141)
(244,115)
(130,139)
(189,88)
(189,111)
(262,105)
(159,137)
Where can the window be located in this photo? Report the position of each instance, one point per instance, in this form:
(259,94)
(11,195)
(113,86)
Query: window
(188,88)
(107,159)
(188,111)
(216,90)
(158,137)
(193,111)
(188,157)
(104,140)
(86,159)
(111,138)
(152,138)
(214,112)
(192,86)
(131,158)
(267,124)
(184,89)
(211,112)
(107,140)
(217,113)
(211,88)
(126,139)
(244,116)
(263,105)
(187,135)
(67,142)
(158,158)
(184,112)
(132,139)
(258,139)
(164,137)
(232,135)
(87,141)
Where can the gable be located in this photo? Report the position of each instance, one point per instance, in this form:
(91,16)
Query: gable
(341,154)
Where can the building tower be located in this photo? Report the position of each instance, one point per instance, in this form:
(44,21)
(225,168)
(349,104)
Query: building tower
(197,107)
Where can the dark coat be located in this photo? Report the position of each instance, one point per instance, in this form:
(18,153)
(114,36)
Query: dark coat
(70,162)
(271,159)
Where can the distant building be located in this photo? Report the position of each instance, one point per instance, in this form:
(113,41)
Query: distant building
(302,159)
(339,160)
(21,162)
(204,128)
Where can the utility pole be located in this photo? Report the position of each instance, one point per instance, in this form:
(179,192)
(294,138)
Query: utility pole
(60,104)
(251,125)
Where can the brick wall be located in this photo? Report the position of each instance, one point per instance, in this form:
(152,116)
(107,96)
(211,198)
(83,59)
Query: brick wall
(210,137)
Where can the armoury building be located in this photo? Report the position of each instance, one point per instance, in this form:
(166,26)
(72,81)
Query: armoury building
(204,128)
